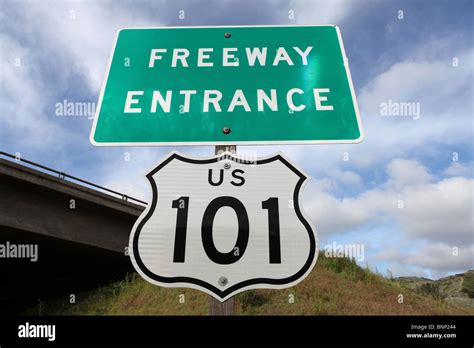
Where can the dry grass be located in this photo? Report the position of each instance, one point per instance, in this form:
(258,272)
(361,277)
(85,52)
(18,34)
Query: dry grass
(335,287)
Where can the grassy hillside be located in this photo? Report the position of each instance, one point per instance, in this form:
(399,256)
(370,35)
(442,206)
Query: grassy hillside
(335,287)
(456,289)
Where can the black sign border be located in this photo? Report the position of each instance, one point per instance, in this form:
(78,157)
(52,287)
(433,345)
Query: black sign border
(224,293)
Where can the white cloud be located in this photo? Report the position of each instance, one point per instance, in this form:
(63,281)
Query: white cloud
(331,215)
(345,177)
(318,13)
(433,260)
(442,211)
(457,169)
(403,173)
(85,31)
(442,257)
(444,93)
(22,99)
(437,211)
(79,33)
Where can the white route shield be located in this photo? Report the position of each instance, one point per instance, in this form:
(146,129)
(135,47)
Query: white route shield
(224,225)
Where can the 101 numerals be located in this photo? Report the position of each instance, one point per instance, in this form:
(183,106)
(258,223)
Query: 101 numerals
(182,205)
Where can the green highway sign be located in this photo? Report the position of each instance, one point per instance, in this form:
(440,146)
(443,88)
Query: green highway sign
(227,85)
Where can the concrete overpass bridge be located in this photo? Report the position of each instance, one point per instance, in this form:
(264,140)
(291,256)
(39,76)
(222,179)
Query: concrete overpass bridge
(81,231)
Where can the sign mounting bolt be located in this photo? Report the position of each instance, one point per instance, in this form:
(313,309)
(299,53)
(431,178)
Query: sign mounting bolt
(227,35)
(222,281)
(227,165)
(226,130)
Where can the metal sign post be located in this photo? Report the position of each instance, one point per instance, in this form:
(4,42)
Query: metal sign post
(217,307)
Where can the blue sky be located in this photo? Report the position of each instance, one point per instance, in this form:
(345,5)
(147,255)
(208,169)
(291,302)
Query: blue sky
(51,51)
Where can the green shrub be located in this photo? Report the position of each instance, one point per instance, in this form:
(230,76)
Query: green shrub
(468,284)
(252,298)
